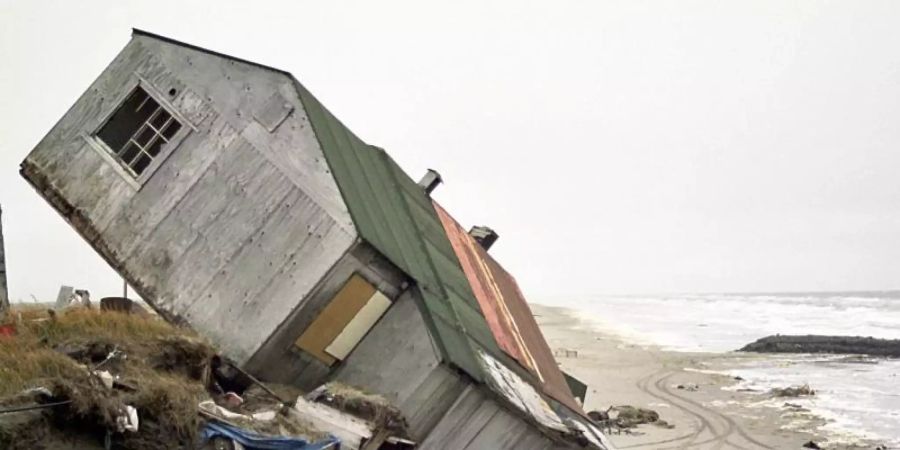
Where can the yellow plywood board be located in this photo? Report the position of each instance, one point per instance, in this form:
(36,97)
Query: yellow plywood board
(334,318)
(345,342)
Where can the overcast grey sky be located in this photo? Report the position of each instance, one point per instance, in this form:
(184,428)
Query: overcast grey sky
(616,146)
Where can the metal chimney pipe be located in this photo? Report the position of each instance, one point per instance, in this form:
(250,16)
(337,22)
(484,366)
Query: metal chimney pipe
(485,236)
(430,181)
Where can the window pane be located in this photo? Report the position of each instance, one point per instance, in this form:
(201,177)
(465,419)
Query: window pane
(142,162)
(122,125)
(145,135)
(137,131)
(129,152)
(148,106)
(170,130)
(153,149)
(160,119)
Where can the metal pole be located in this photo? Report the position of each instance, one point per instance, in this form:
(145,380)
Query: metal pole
(4,292)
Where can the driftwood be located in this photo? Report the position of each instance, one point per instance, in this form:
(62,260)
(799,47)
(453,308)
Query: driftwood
(826,344)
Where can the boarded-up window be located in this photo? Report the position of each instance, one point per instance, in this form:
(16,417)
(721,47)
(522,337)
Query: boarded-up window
(137,131)
(344,321)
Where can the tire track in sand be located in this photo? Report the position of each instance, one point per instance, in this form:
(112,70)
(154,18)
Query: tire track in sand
(716,430)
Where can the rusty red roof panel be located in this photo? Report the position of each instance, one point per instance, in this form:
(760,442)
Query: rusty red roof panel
(507,312)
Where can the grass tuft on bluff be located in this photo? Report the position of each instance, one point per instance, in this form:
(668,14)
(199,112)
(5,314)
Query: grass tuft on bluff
(163,371)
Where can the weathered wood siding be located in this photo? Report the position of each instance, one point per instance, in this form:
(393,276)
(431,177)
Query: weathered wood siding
(237,226)
(477,422)
(399,361)
(444,408)
(298,367)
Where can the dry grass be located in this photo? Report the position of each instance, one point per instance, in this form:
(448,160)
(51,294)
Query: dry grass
(371,407)
(166,366)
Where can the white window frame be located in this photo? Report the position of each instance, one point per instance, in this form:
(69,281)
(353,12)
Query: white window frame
(135,180)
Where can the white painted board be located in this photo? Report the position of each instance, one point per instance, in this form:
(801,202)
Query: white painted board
(364,320)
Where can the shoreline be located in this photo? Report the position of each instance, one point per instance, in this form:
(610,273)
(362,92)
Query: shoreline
(717,414)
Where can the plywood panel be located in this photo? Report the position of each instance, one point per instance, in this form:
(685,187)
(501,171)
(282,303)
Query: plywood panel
(364,320)
(345,305)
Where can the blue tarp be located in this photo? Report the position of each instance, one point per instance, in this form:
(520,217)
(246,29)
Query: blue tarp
(254,441)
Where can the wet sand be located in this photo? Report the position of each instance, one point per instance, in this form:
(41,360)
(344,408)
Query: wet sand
(714,416)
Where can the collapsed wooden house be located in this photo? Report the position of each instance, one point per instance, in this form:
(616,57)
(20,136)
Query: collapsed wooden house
(235,203)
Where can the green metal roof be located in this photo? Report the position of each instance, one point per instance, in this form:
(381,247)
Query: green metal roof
(393,213)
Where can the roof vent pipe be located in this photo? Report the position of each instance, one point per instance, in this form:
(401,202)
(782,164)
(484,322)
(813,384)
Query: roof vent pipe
(484,236)
(430,181)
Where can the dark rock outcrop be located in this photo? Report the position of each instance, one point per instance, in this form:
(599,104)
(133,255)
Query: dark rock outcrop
(826,344)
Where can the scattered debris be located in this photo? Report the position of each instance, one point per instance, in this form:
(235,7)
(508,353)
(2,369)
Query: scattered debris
(793,391)
(631,416)
(248,439)
(65,294)
(600,416)
(8,330)
(565,353)
(122,304)
(232,400)
(373,408)
(812,445)
(135,382)
(795,407)
(164,387)
(690,387)
(127,420)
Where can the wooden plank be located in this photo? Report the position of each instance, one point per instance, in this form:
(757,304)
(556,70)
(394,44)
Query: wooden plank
(303,286)
(359,325)
(396,356)
(167,188)
(428,404)
(454,419)
(472,426)
(273,272)
(503,431)
(295,150)
(350,430)
(339,312)
(226,207)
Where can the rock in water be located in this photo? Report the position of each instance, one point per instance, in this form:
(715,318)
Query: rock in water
(826,344)
(793,391)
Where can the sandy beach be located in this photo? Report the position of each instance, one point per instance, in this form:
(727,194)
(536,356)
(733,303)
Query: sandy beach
(714,415)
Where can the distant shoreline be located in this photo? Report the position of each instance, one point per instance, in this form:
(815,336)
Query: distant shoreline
(691,390)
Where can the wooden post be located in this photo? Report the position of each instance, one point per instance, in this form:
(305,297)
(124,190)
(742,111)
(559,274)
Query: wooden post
(378,437)
(4,292)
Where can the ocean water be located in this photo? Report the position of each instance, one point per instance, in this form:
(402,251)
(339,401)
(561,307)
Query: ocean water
(859,398)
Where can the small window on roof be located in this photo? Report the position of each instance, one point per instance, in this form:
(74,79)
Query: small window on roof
(137,131)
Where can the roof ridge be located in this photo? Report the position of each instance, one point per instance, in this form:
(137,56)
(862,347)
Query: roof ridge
(140,32)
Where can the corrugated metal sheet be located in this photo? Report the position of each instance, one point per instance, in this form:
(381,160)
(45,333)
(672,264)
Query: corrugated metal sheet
(486,291)
(554,381)
(507,311)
